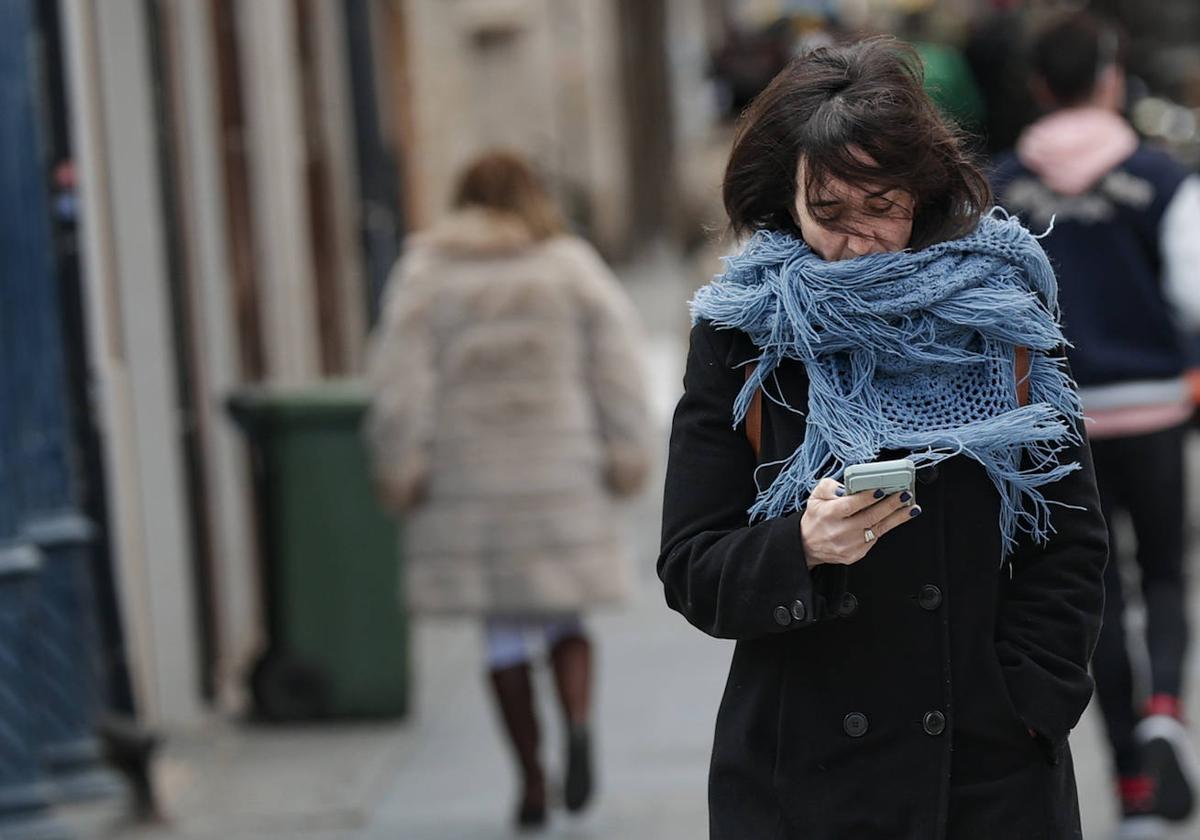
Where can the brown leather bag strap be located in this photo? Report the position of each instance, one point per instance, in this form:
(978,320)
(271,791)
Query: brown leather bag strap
(754,414)
(1021,365)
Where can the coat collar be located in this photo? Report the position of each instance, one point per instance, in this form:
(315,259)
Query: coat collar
(478,232)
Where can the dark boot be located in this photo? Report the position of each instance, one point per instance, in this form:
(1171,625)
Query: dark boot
(513,687)
(572,659)
(130,749)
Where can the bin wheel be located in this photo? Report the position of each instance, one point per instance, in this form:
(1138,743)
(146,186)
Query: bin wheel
(286,688)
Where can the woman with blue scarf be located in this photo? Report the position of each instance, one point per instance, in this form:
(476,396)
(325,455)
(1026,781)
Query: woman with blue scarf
(905,668)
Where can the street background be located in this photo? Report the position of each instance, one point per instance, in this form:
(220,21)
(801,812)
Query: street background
(444,776)
(201,201)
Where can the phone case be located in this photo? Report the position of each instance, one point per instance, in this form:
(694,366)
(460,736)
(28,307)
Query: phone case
(888,476)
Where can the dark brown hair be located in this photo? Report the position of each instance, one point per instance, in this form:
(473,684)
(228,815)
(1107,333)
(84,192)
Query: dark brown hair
(828,107)
(1071,51)
(503,181)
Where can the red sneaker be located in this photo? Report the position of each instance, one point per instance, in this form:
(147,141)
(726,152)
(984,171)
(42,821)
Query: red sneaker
(1137,794)
(1139,817)
(1169,757)
(1164,704)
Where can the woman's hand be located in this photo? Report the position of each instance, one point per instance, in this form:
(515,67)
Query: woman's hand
(834,526)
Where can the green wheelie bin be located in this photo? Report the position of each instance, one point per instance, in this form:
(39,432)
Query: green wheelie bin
(338,634)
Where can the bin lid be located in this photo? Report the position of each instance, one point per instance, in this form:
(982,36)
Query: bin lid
(253,406)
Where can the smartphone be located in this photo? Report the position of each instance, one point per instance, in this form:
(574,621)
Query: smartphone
(888,476)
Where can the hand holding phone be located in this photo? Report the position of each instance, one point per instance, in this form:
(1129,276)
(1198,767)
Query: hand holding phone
(842,523)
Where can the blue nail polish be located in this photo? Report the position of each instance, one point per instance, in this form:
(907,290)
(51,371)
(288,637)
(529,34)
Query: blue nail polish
(916,511)
(841,491)
(879,494)
(905,497)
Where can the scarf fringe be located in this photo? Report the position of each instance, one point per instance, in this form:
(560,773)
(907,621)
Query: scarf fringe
(849,321)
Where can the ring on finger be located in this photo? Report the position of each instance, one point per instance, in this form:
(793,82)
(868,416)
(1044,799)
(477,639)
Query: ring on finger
(868,535)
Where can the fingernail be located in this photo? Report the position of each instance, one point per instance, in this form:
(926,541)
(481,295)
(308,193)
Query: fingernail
(841,491)
(906,497)
(879,494)
(916,511)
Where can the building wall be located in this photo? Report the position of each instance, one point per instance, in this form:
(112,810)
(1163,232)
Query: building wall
(269,55)
(221,205)
(130,330)
(237,622)
(165,344)
(538,75)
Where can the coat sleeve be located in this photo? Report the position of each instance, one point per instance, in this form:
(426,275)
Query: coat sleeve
(729,579)
(1049,616)
(400,368)
(615,376)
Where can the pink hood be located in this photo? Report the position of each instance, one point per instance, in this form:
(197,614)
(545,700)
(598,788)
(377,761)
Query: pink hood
(1072,149)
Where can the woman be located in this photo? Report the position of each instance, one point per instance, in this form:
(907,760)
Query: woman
(904,668)
(508,416)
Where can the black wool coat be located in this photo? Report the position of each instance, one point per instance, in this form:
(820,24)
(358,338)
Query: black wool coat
(893,699)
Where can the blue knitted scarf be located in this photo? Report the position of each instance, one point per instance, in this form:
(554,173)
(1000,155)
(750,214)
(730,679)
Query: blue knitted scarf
(909,351)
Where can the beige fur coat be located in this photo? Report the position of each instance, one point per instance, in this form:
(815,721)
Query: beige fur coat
(509,413)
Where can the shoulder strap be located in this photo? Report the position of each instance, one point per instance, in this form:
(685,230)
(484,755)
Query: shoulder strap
(1021,366)
(754,412)
(754,415)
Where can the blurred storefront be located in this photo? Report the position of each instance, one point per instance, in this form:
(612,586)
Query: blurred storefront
(239,177)
(234,180)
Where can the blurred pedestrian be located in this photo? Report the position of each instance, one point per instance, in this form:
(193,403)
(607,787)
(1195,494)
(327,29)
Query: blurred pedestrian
(997,52)
(508,417)
(948,77)
(905,668)
(1125,243)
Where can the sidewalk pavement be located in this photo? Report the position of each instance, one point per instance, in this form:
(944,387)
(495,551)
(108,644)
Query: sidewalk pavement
(443,774)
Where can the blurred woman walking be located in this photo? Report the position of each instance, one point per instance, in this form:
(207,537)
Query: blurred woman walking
(509,416)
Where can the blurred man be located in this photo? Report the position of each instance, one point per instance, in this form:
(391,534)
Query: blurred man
(996,53)
(1126,246)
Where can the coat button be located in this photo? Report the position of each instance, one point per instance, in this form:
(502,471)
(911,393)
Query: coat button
(934,723)
(798,610)
(783,616)
(855,724)
(927,475)
(848,606)
(930,597)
